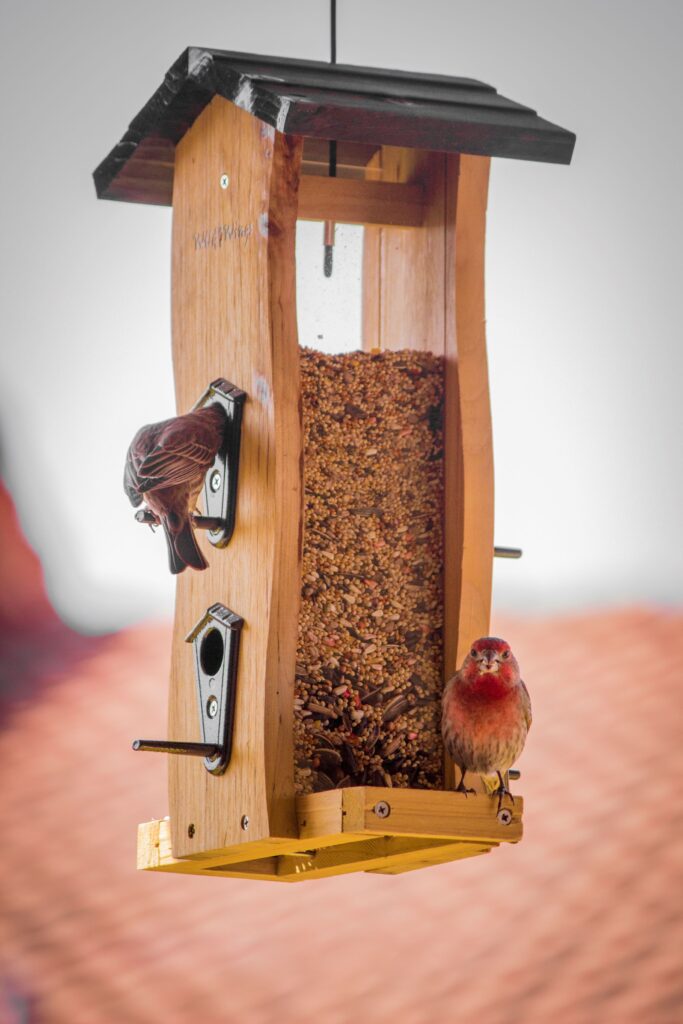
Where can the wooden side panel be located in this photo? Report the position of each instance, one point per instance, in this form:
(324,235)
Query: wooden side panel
(234,316)
(424,289)
(431,813)
(468,436)
(319,814)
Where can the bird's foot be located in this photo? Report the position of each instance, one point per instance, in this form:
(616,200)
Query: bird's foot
(462,788)
(502,792)
(149,518)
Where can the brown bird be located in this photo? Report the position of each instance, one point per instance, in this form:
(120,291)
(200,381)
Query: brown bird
(166,465)
(486,713)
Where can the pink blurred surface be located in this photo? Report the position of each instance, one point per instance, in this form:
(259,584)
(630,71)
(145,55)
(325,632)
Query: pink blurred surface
(580,922)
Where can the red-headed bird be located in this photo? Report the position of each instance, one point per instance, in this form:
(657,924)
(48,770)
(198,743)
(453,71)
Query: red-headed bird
(486,713)
(166,465)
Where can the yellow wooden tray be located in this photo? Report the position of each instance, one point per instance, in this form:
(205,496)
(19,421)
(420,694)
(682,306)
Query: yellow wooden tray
(362,828)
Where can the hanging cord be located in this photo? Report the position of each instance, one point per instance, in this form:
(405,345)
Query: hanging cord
(328,234)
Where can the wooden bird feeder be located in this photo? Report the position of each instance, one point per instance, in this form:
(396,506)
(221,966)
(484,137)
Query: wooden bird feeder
(238,145)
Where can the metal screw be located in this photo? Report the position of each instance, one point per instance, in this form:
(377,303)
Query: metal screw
(212,707)
(245,822)
(225,181)
(382,809)
(215,481)
(190,831)
(504,816)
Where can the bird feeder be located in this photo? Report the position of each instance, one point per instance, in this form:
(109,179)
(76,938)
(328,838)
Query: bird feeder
(238,145)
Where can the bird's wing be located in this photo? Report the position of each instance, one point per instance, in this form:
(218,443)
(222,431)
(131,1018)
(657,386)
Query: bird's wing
(131,482)
(174,462)
(131,478)
(526,704)
(143,442)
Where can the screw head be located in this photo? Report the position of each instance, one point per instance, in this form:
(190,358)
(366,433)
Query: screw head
(382,809)
(215,481)
(504,815)
(244,823)
(224,181)
(212,707)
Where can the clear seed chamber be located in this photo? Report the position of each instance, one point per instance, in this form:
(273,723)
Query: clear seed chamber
(369,670)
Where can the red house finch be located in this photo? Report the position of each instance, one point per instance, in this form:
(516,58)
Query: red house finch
(166,465)
(486,713)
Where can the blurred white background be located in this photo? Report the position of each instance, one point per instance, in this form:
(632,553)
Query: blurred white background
(582,281)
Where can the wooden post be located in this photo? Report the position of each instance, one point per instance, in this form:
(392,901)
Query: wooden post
(234,316)
(423,288)
(469,445)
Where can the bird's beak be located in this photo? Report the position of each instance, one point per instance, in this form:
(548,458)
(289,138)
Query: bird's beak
(490,662)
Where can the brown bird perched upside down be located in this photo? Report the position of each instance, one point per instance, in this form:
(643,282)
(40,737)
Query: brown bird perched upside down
(486,713)
(166,465)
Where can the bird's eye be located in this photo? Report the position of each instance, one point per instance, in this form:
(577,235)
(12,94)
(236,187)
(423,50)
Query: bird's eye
(473,653)
(505,654)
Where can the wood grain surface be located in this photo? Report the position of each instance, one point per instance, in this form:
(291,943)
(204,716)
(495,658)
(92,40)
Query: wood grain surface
(234,316)
(347,201)
(468,572)
(340,832)
(430,813)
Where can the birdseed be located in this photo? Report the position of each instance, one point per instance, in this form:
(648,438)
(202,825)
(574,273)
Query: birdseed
(369,673)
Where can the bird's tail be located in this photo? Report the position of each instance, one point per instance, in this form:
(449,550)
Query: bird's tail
(490,783)
(183,549)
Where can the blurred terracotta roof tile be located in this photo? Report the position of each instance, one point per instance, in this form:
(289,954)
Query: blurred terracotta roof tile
(581,922)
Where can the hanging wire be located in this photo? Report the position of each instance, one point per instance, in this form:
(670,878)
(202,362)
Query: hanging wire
(328,233)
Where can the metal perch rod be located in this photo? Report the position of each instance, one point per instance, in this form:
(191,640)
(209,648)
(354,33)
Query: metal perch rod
(178,747)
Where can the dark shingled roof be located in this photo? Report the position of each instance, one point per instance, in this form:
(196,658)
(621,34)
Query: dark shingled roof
(323,101)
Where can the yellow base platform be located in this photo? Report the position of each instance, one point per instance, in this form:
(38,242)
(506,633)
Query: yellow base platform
(362,828)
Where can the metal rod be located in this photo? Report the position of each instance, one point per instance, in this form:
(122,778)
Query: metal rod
(145,515)
(507,552)
(178,747)
(328,236)
(148,517)
(208,522)
(514,773)
(328,243)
